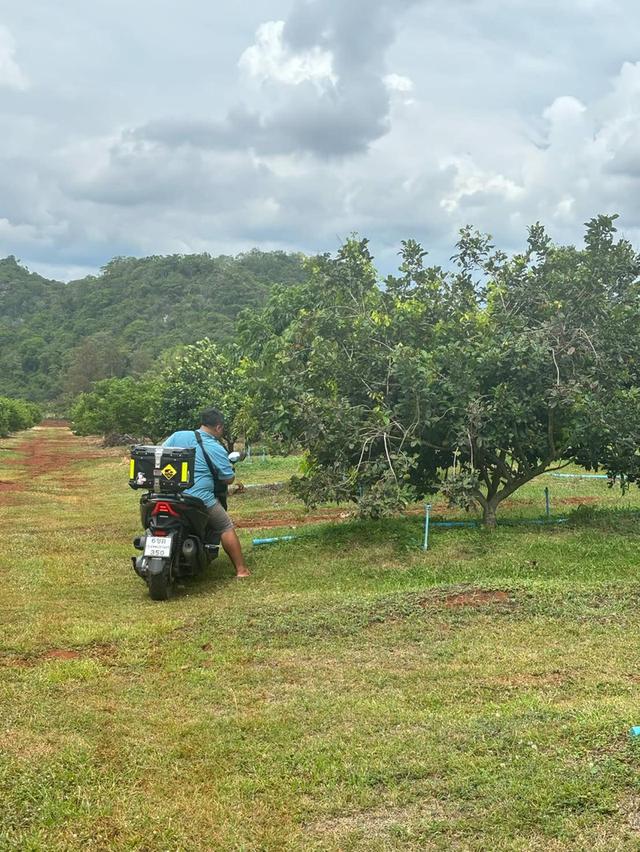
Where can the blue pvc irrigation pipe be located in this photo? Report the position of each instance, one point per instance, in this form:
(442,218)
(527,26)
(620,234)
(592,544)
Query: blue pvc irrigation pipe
(428,523)
(500,523)
(274,540)
(580,475)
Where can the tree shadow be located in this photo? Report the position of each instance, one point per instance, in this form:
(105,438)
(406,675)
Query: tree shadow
(215,577)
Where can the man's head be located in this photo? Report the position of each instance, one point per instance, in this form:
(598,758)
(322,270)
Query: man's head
(212,421)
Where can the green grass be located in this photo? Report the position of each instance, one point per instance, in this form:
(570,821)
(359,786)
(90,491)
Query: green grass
(341,699)
(259,470)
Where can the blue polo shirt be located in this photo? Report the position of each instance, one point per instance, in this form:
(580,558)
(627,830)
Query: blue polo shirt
(203,481)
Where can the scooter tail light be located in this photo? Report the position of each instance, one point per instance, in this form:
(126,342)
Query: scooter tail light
(164,509)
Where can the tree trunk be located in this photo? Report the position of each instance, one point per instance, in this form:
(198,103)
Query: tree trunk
(489,515)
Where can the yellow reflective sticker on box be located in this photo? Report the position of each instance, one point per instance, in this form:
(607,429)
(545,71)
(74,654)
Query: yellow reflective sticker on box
(169,471)
(185,472)
(132,469)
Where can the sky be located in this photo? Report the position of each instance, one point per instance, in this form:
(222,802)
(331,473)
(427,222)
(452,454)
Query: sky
(180,126)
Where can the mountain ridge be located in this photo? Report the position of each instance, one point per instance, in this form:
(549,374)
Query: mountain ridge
(55,337)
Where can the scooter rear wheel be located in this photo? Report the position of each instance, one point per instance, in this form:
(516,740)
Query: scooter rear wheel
(160,583)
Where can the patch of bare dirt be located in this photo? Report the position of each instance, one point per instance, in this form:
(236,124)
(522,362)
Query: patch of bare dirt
(8,490)
(25,662)
(50,422)
(61,654)
(102,652)
(576,501)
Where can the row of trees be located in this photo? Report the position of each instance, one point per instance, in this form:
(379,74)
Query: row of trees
(472,380)
(16,415)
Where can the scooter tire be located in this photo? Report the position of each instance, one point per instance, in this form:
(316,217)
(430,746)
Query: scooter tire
(160,583)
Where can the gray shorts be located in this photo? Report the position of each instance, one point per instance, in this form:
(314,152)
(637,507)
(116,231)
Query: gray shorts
(219,521)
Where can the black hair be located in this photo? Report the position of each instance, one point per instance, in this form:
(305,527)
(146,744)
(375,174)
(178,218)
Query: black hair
(211,417)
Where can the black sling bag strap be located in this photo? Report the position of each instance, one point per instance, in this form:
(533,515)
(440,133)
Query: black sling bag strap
(219,488)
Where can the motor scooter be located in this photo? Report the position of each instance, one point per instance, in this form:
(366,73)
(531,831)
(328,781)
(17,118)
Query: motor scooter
(176,542)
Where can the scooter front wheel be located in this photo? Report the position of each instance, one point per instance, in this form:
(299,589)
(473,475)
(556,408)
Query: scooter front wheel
(159,579)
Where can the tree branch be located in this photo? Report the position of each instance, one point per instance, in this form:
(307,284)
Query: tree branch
(550,438)
(479,496)
(553,353)
(386,449)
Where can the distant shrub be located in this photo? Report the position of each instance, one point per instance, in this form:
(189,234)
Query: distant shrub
(17,414)
(114,405)
(157,403)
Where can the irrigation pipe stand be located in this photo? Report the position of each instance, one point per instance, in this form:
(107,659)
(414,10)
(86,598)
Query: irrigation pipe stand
(427,515)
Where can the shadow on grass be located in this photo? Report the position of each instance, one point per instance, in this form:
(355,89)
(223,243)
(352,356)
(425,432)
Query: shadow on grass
(625,521)
(214,578)
(405,534)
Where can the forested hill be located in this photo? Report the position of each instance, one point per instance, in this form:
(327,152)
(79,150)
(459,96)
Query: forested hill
(56,338)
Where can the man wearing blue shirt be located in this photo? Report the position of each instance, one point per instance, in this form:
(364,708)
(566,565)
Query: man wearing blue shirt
(203,487)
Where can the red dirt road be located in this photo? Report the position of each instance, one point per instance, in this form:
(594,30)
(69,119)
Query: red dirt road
(50,451)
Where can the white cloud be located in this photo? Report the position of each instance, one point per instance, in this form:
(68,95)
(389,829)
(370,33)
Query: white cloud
(11,75)
(472,182)
(398,83)
(585,161)
(270,59)
(157,144)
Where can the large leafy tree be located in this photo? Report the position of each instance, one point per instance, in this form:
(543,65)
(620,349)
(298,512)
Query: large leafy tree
(483,376)
(96,358)
(528,359)
(328,376)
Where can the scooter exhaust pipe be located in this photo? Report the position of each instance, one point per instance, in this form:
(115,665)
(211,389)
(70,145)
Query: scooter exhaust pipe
(189,549)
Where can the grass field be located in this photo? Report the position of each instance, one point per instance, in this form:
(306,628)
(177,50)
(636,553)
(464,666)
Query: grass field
(354,694)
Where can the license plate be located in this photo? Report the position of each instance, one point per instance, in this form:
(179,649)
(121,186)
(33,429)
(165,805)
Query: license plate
(156,545)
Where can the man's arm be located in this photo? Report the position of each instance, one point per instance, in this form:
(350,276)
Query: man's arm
(221,458)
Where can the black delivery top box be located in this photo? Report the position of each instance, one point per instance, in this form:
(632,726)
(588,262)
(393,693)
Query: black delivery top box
(162,469)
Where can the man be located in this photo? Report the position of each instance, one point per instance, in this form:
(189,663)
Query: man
(203,487)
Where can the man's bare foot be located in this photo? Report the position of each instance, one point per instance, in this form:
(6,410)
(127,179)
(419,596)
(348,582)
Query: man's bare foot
(243,572)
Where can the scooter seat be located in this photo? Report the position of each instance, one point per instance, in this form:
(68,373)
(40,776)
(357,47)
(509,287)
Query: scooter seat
(196,502)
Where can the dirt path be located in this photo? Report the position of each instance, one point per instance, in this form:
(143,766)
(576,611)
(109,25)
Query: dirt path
(45,451)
